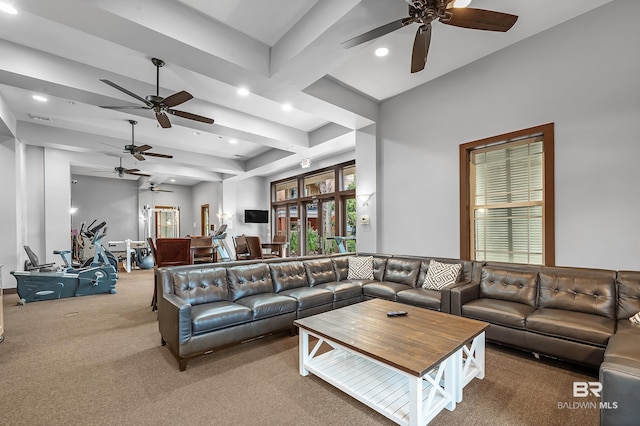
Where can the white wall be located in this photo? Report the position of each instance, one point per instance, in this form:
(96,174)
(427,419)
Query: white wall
(8,214)
(582,75)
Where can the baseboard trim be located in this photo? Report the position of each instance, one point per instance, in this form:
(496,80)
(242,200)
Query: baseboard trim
(13,290)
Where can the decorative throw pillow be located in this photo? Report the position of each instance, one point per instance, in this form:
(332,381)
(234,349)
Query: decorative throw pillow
(440,275)
(635,319)
(360,268)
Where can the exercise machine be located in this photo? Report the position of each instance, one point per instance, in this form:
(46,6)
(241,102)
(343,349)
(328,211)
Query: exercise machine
(46,282)
(220,244)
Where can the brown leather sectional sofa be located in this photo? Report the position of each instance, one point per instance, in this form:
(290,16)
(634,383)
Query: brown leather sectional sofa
(575,314)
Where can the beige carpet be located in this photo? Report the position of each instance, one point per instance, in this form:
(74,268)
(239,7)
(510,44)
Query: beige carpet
(97,360)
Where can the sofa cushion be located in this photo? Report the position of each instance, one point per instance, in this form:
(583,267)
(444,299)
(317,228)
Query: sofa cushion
(343,290)
(309,297)
(508,284)
(268,304)
(591,291)
(288,275)
(403,271)
(628,293)
(624,326)
(218,315)
(360,268)
(319,271)
(379,265)
(383,289)
(577,326)
(248,280)
(341,266)
(439,275)
(201,285)
(623,347)
(424,298)
(501,312)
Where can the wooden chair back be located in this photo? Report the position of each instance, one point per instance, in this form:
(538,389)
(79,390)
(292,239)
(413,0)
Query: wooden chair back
(206,254)
(173,252)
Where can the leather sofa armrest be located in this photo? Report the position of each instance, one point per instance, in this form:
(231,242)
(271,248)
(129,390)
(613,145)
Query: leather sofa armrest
(445,295)
(620,381)
(463,294)
(174,320)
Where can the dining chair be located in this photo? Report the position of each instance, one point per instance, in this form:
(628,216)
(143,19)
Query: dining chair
(241,248)
(255,249)
(169,252)
(202,250)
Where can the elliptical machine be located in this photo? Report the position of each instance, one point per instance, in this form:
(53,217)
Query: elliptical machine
(43,282)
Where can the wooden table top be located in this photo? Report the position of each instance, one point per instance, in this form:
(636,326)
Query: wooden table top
(414,343)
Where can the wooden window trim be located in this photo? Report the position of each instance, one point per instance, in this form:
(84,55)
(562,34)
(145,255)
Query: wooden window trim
(547,131)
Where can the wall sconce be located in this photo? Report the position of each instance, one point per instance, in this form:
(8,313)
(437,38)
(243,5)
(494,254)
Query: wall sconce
(72,210)
(223,216)
(364,199)
(305,163)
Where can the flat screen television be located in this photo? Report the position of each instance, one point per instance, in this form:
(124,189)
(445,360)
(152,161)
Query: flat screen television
(256,216)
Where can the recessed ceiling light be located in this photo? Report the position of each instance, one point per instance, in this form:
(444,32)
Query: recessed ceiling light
(172,180)
(196,133)
(243,91)
(233,141)
(39,98)
(7,8)
(382,51)
(287,107)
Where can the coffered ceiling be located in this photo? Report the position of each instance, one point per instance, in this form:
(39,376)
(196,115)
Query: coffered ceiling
(281,51)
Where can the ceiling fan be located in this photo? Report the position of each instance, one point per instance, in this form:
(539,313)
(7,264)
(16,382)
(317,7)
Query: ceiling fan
(154,188)
(424,12)
(122,171)
(140,151)
(161,106)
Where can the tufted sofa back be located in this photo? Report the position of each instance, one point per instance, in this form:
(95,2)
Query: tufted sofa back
(628,294)
(592,291)
(403,271)
(201,285)
(341,265)
(319,271)
(511,284)
(288,275)
(248,280)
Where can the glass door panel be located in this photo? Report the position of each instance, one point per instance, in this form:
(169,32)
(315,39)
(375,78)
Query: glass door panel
(328,230)
(294,231)
(350,224)
(312,245)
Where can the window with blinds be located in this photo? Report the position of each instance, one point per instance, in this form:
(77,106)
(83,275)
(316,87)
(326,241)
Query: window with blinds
(507,197)
(507,200)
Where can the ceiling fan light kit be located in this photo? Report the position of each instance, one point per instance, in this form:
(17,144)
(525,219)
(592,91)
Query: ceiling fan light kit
(139,152)
(448,12)
(160,106)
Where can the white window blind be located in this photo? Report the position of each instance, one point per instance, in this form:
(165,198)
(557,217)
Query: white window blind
(507,201)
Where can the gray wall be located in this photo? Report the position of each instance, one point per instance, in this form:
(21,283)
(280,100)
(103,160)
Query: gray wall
(114,201)
(582,75)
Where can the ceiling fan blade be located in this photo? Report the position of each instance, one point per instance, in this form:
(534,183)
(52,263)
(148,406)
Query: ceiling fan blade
(123,90)
(125,107)
(138,156)
(153,154)
(421,48)
(144,147)
(377,32)
(177,98)
(480,19)
(136,173)
(190,116)
(163,120)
